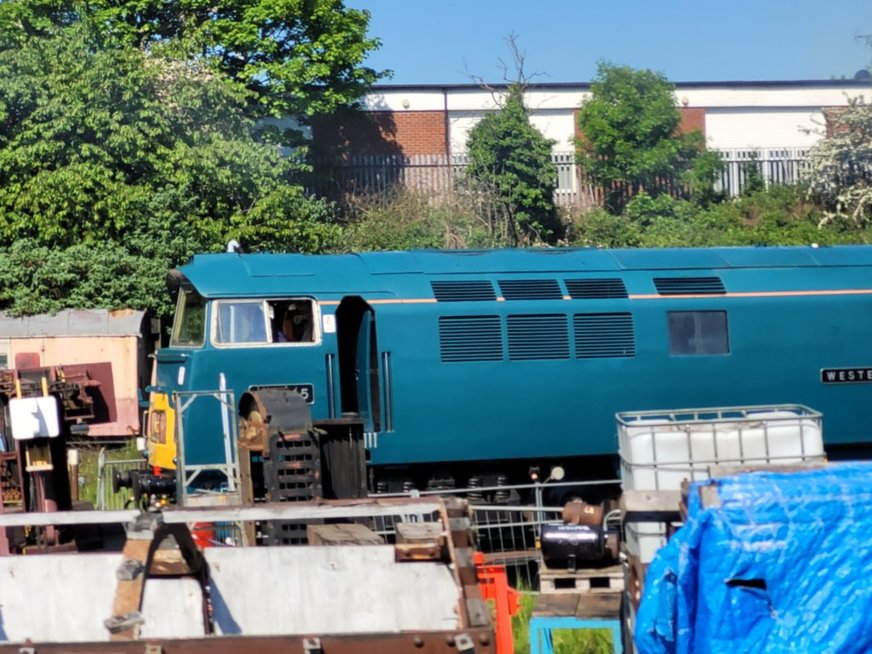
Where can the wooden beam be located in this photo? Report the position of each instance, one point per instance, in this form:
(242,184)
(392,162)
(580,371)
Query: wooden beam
(651,506)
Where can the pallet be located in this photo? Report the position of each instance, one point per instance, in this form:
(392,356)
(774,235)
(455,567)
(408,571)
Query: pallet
(634,579)
(591,580)
(342,534)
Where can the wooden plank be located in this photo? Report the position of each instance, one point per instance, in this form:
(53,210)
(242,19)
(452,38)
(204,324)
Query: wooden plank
(128,593)
(420,532)
(580,605)
(634,578)
(420,541)
(599,605)
(556,605)
(650,506)
(342,534)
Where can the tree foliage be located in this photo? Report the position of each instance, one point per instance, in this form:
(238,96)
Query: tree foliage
(122,157)
(295,57)
(511,160)
(840,176)
(630,136)
(780,215)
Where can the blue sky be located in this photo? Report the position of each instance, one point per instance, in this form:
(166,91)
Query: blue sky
(449,41)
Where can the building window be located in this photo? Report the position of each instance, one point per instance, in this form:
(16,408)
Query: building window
(698,333)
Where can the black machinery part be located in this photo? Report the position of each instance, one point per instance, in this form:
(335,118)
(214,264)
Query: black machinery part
(143,482)
(562,545)
(292,465)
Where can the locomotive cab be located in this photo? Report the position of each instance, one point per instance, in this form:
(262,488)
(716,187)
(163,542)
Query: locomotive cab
(267,352)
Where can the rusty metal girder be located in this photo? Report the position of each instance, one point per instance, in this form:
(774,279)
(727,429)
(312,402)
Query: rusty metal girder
(464,641)
(70,384)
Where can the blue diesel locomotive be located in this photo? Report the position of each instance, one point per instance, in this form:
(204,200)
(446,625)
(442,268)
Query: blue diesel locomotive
(466,367)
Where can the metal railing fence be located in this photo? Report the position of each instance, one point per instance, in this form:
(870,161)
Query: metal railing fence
(506,520)
(107,499)
(438,174)
(507,527)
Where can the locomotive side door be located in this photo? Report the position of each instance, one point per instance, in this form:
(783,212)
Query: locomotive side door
(358,361)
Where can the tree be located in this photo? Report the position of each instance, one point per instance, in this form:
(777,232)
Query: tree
(630,134)
(840,176)
(511,159)
(119,157)
(296,57)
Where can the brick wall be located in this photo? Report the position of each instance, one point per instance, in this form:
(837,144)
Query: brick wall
(384,132)
(692,118)
(417,132)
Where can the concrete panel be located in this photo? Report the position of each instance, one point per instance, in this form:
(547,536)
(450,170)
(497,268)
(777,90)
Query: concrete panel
(255,591)
(761,128)
(56,598)
(775,96)
(318,590)
(556,125)
(172,609)
(65,598)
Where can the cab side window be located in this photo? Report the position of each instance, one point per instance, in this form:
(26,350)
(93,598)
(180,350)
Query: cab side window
(189,327)
(241,322)
(293,321)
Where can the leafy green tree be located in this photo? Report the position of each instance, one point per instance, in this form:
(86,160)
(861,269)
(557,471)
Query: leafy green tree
(39,279)
(840,177)
(510,160)
(296,57)
(752,175)
(630,134)
(112,155)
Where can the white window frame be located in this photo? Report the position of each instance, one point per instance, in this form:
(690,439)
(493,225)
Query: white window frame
(266,304)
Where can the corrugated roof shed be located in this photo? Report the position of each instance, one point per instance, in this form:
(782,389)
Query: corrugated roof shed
(73,322)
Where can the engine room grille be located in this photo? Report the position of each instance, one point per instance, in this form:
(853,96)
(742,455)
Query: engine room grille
(538,337)
(602,335)
(596,289)
(530,289)
(465,291)
(470,338)
(689,285)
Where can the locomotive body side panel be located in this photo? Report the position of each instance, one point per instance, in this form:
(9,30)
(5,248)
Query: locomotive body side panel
(520,355)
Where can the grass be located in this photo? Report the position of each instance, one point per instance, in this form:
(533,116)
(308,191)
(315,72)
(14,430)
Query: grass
(89,469)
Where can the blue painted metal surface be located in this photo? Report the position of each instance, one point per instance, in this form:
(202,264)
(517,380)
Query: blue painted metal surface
(791,312)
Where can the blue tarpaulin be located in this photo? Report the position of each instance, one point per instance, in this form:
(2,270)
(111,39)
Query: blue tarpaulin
(783,564)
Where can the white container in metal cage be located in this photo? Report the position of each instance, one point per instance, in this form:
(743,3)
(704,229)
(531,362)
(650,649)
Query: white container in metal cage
(660,449)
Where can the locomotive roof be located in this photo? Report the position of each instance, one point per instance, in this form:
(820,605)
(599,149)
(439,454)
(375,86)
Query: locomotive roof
(265,274)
